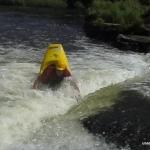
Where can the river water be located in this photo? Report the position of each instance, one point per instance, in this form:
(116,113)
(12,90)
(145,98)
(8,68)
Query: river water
(39,119)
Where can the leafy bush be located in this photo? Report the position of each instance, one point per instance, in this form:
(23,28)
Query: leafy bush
(125,12)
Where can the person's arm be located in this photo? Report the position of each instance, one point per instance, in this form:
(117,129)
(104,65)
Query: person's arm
(37,83)
(73,83)
(75,87)
(43,78)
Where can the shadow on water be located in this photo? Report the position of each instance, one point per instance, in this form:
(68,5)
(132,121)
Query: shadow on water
(124,123)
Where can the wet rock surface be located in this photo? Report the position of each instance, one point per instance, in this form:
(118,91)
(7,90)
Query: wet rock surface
(126,123)
(134,42)
(134,39)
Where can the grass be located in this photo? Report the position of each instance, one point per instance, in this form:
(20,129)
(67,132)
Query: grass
(127,13)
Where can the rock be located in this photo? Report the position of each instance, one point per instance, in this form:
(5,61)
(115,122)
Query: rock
(125,123)
(135,38)
(142,30)
(104,32)
(134,42)
(146,29)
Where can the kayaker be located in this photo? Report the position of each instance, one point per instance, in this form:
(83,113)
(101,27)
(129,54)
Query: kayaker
(56,71)
(53,75)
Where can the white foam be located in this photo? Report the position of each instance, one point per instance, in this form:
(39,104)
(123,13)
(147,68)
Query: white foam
(22,108)
(64,135)
(96,66)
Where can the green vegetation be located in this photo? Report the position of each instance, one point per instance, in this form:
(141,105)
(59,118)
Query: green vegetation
(127,13)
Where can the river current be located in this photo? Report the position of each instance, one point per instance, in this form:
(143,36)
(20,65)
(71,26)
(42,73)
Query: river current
(38,119)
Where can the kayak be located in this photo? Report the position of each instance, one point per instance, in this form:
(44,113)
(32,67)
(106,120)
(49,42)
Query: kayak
(54,54)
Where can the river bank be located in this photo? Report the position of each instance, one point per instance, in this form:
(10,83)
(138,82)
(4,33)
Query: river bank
(124,24)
